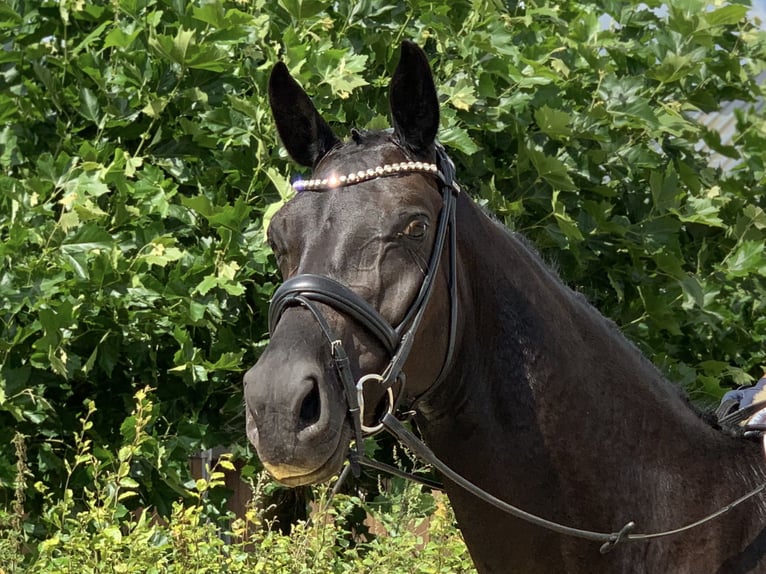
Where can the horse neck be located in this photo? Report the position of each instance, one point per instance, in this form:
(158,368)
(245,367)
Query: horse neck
(548,390)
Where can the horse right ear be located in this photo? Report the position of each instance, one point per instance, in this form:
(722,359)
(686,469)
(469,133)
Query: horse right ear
(305,135)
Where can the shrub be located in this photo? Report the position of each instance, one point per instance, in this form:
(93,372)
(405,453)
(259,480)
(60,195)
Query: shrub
(96,533)
(139,166)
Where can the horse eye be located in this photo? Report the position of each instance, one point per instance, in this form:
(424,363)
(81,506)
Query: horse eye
(416,229)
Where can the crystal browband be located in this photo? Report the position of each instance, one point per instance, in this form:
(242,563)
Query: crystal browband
(334,181)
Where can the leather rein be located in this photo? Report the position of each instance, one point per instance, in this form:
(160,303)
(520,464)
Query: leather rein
(308,290)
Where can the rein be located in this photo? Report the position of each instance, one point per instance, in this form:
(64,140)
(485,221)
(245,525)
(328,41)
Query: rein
(307,290)
(609,539)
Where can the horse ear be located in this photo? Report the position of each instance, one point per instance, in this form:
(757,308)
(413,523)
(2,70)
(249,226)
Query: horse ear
(413,100)
(304,133)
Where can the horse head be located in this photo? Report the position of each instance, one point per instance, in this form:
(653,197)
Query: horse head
(367,278)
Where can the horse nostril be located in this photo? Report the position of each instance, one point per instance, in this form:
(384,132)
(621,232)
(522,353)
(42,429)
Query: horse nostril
(310,406)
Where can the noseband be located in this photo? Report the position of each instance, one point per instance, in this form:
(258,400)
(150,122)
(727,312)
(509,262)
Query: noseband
(307,290)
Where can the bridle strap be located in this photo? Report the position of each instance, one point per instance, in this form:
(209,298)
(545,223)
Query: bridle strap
(343,367)
(418,307)
(609,539)
(336,295)
(453,298)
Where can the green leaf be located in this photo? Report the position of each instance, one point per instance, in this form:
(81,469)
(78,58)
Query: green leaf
(637,108)
(704,210)
(181,44)
(78,190)
(231,216)
(89,106)
(207,58)
(197,311)
(174,49)
(627,102)
(128,482)
(8,16)
(227,362)
(458,138)
(162,252)
(671,263)
(564,221)
(208,283)
(88,238)
(555,123)
(119,38)
(284,188)
(199,203)
(212,13)
(672,68)
(77,261)
(665,189)
(69,220)
(746,259)
(300,9)
(128,428)
(552,170)
(345,74)
(726,15)
(461,95)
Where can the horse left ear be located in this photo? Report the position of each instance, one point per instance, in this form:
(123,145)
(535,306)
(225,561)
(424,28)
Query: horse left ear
(413,100)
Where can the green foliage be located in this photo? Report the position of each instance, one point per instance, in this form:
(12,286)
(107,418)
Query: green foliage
(134,146)
(139,166)
(96,533)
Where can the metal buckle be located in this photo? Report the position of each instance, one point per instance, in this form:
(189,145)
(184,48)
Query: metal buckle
(370,430)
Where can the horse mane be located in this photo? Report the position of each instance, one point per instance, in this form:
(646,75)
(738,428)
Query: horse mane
(705,412)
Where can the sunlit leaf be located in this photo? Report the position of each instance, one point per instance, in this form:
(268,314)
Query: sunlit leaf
(747,258)
(89,106)
(731,14)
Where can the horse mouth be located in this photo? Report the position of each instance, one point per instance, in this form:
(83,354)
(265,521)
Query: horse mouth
(294,472)
(292,476)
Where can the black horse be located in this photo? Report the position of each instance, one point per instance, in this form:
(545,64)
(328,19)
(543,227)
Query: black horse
(517,382)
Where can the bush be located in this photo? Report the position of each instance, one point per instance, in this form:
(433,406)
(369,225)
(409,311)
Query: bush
(96,533)
(139,166)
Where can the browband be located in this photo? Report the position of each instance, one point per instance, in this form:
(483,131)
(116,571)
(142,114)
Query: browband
(334,181)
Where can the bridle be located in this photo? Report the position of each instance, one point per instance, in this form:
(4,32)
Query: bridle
(308,290)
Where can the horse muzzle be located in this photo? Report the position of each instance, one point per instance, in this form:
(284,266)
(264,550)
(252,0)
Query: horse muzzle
(296,416)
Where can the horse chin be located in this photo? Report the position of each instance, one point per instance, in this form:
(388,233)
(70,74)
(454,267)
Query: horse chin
(294,474)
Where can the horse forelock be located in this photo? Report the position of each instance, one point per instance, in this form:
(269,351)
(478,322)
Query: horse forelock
(364,149)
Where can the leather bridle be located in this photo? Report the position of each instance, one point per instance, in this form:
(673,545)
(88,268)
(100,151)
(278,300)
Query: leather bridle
(309,290)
